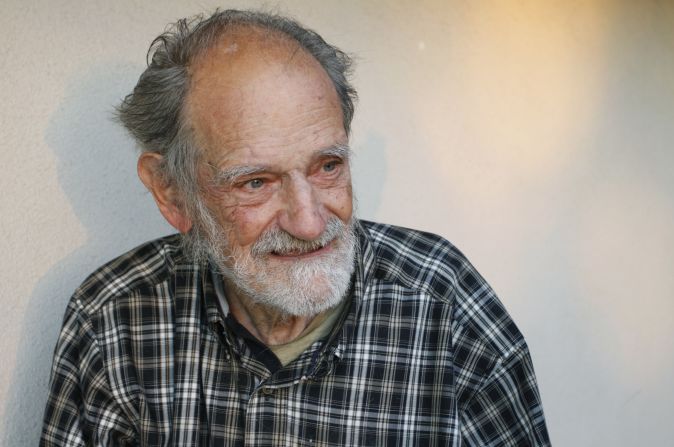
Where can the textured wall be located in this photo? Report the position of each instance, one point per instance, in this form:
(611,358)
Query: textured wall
(536,135)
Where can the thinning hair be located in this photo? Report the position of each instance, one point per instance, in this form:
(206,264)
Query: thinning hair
(154,113)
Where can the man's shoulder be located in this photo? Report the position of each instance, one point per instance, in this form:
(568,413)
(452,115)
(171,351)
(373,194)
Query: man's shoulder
(394,235)
(419,259)
(426,264)
(143,267)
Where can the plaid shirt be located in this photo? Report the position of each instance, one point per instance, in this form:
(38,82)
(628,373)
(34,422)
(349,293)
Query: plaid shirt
(424,355)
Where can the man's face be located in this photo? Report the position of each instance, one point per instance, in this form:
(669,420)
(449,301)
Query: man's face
(274,173)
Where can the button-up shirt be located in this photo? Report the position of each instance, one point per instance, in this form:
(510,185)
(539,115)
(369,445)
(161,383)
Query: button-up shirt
(425,354)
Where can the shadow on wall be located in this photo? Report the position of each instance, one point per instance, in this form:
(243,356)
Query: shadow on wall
(96,169)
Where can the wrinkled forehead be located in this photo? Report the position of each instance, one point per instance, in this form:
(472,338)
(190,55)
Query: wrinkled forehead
(251,78)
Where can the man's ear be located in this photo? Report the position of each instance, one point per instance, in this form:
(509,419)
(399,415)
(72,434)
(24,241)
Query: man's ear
(165,194)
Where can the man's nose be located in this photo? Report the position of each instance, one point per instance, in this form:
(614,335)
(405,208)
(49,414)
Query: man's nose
(303,215)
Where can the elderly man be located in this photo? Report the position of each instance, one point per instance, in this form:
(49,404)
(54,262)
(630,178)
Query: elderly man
(276,317)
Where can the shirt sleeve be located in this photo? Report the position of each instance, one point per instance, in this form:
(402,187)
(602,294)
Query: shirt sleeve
(506,409)
(497,394)
(81,409)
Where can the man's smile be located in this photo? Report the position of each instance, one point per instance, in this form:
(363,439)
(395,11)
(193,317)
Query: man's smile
(301,253)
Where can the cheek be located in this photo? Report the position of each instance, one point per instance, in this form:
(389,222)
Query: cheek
(241,224)
(340,202)
(246,224)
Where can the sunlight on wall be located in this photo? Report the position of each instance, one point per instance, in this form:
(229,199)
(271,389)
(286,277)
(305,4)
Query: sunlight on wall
(550,124)
(525,86)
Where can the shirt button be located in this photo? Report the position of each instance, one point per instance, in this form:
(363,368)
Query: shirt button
(268,391)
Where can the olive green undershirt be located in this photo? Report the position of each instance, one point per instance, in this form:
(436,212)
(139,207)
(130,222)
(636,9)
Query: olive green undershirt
(319,328)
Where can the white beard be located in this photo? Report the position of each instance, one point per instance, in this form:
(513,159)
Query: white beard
(302,287)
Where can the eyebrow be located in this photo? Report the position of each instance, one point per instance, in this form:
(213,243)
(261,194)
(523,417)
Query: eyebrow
(338,150)
(229,175)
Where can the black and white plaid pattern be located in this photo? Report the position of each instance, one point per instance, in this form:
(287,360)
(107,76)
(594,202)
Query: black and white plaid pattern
(425,355)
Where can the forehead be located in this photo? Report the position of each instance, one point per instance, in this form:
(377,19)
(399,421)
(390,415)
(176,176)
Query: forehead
(255,95)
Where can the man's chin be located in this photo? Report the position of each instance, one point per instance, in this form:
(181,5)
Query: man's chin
(298,287)
(299,283)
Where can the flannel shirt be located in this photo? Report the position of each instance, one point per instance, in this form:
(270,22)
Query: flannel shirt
(424,355)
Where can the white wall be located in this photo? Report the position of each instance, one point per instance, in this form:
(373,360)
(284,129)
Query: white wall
(536,135)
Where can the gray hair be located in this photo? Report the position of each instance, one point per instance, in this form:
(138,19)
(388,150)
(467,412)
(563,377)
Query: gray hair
(154,112)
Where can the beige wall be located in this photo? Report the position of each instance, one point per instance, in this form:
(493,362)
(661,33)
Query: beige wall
(536,135)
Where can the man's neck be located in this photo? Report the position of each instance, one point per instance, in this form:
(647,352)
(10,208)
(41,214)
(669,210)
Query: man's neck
(267,324)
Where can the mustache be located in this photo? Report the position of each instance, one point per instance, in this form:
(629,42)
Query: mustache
(281,242)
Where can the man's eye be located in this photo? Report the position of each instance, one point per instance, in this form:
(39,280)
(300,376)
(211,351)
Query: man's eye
(330,166)
(256,183)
